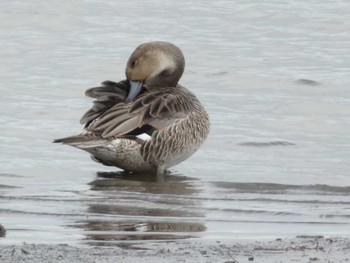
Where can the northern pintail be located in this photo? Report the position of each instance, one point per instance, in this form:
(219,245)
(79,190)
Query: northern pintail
(148,122)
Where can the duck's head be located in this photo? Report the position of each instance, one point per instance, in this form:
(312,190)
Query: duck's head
(152,65)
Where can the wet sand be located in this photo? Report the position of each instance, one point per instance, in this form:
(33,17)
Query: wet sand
(299,249)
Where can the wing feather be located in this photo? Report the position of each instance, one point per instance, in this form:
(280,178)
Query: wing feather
(113,118)
(121,129)
(107,95)
(158,109)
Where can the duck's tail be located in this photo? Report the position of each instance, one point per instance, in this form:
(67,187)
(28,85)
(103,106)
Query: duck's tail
(81,141)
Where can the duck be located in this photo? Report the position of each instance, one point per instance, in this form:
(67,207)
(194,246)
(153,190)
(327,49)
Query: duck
(147,122)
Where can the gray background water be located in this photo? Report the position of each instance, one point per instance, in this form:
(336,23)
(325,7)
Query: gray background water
(277,159)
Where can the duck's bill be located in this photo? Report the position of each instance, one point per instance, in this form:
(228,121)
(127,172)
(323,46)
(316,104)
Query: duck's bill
(135,88)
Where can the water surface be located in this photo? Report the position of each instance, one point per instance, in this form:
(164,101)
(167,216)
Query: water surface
(274,77)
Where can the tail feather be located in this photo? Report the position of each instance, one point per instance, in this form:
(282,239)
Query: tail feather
(70,139)
(81,141)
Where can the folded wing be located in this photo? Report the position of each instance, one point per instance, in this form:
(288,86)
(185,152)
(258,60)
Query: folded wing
(151,111)
(107,95)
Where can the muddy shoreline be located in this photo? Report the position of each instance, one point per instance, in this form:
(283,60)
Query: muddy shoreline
(299,249)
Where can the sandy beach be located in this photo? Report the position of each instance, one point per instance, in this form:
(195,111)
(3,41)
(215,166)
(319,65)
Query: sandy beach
(299,249)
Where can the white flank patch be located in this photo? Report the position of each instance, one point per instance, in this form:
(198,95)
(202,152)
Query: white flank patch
(143,137)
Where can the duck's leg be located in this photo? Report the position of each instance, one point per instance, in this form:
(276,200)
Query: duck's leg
(160,174)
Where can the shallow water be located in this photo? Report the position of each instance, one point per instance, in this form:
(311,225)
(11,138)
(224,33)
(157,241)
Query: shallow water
(273,76)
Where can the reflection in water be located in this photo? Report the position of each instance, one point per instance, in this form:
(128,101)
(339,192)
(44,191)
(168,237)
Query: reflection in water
(142,207)
(148,183)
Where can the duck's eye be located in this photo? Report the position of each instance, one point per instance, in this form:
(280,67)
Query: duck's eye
(133,64)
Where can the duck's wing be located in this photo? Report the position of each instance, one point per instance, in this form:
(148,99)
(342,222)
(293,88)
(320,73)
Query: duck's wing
(107,95)
(151,111)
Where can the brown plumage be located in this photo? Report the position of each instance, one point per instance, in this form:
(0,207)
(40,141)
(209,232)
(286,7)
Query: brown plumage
(148,122)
